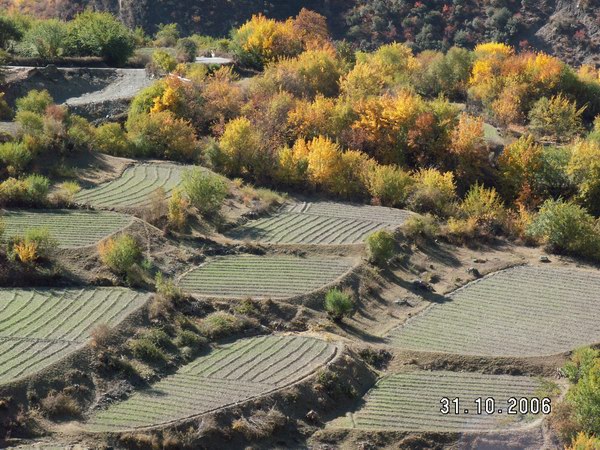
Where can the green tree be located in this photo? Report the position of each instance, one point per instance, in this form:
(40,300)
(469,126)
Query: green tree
(556,118)
(46,39)
(566,227)
(381,247)
(101,34)
(186,50)
(205,190)
(167,35)
(339,304)
(9,31)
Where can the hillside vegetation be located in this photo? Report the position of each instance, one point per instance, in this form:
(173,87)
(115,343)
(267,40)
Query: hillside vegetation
(566,28)
(276,232)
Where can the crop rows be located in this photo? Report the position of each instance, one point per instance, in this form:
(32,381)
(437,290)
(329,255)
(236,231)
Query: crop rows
(263,276)
(135,187)
(411,402)
(70,228)
(321,223)
(233,373)
(523,311)
(41,326)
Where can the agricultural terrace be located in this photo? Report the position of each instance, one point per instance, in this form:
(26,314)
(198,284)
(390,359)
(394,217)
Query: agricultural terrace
(135,187)
(411,402)
(233,373)
(41,326)
(321,223)
(70,228)
(279,277)
(523,311)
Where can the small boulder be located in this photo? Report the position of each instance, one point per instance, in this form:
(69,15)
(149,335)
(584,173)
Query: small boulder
(312,416)
(473,271)
(544,259)
(422,285)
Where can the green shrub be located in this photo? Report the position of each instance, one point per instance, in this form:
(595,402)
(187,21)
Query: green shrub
(584,395)
(167,288)
(45,39)
(164,61)
(187,338)
(433,192)
(204,190)
(389,185)
(120,254)
(566,227)
(186,50)
(162,135)
(167,35)
(424,226)
(101,34)
(339,304)
(557,118)
(381,247)
(112,139)
(9,31)
(15,156)
(42,239)
(220,324)
(144,100)
(35,101)
(147,351)
(483,205)
(30,191)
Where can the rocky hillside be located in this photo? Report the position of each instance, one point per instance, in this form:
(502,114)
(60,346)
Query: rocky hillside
(569,28)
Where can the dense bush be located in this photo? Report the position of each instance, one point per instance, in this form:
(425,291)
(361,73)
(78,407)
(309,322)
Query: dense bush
(29,191)
(338,304)
(120,253)
(35,102)
(566,227)
(45,39)
(381,247)
(101,34)
(162,135)
(15,157)
(186,50)
(112,139)
(204,190)
(556,118)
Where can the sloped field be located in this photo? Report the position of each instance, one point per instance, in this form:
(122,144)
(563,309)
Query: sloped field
(135,187)
(278,277)
(70,228)
(321,223)
(40,326)
(411,402)
(523,311)
(236,372)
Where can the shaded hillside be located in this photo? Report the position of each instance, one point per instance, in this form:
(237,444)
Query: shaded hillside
(570,29)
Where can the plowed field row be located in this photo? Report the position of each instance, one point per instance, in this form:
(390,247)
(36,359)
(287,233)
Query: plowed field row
(233,373)
(523,311)
(70,228)
(263,276)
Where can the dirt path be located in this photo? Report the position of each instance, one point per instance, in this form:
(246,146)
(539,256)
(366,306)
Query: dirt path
(127,83)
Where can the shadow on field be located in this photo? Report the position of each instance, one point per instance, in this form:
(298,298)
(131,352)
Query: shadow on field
(428,295)
(357,332)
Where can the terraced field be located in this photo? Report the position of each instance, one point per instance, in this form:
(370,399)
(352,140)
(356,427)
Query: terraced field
(135,187)
(233,373)
(411,402)
(40,326)
(523,311)
(323,223)
(70,228)
(277,277)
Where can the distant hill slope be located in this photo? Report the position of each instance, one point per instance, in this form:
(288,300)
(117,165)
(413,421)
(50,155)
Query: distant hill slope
(568,28)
